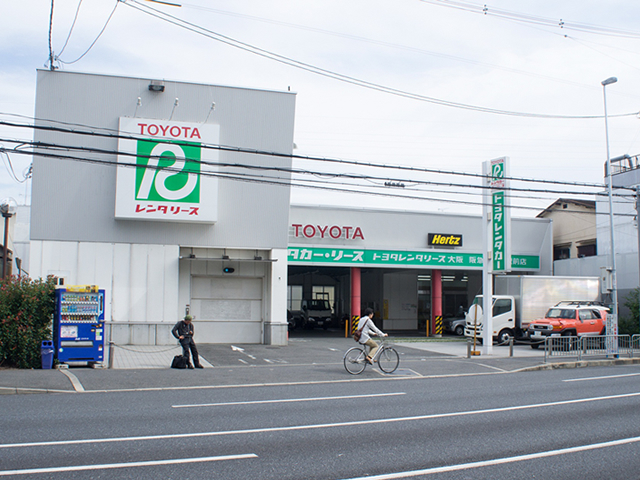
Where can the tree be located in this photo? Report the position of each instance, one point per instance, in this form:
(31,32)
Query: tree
(26,312)
(630,325)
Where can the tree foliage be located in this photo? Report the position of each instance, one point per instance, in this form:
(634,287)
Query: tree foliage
(630,325)
(26,311)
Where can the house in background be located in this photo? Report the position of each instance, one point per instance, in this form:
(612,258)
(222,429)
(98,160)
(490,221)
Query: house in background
(574,228)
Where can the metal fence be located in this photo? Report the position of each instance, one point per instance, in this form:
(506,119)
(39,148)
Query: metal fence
(604,346)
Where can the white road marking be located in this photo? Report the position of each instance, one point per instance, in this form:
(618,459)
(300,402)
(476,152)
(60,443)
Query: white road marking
(318,426)
(606,377)
(77,468)
(500,461)
(241,350)
(77,386)
(289,400)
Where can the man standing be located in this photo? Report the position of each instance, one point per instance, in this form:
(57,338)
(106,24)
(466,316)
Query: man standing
(183,331)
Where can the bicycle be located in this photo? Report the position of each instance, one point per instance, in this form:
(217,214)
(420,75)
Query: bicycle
(355,359)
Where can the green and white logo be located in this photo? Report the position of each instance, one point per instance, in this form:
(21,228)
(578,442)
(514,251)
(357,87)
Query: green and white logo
(168,172)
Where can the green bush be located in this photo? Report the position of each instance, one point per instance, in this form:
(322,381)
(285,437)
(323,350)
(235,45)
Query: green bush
(26,310)
(630,325)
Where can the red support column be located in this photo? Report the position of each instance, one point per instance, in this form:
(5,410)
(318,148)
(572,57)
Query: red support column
(436,302)
(356,296)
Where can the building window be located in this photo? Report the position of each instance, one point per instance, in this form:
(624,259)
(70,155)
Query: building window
(587,250)
(560,252)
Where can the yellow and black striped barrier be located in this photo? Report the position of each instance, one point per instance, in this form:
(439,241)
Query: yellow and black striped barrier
(437,331)
(355,320)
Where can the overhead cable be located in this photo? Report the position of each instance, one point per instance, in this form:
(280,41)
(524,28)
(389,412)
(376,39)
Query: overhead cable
(109,133)
(337,76)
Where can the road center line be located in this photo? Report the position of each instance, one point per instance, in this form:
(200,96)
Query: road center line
(78,468)
(319,426)
(289,400)
(500,461)
(604,377)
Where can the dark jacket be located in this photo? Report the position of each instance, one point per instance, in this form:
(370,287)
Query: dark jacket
(182,329)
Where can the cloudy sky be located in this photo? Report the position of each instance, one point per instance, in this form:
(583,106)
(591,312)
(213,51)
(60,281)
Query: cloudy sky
(437,86)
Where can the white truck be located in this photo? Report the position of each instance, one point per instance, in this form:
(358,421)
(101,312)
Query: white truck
(312,313)
(519,300)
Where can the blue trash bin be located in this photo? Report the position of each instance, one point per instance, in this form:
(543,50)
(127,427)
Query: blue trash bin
(46,351)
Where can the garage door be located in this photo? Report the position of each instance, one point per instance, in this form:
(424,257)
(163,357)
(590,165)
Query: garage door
(227,309)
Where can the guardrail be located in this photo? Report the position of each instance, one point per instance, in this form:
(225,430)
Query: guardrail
(607,346)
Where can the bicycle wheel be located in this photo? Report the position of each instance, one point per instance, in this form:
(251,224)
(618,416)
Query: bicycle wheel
(354,360)
(388,360)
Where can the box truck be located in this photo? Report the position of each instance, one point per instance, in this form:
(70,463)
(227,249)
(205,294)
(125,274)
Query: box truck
(519,300)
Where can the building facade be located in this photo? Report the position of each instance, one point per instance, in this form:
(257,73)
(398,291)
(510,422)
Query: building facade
(409,264)
(132,191)
(175,197)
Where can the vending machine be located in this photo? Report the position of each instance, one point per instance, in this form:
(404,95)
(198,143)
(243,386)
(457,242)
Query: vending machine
(78,326)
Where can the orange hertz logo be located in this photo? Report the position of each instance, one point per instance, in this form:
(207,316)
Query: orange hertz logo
(444,240)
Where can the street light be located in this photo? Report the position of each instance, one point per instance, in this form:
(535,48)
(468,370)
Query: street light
(614,280)
(7,208)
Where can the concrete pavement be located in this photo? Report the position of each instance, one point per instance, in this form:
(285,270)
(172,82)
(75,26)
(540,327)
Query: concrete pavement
(314,356)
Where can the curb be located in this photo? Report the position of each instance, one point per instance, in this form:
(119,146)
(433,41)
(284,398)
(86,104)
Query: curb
(583,364)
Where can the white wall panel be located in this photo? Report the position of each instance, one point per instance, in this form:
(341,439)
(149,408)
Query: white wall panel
(155,286)
(121,287)
(138,284)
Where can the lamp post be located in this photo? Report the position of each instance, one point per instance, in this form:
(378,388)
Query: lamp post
(614,280)
(7,208)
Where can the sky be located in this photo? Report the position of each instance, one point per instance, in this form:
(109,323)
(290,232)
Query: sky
(436,87)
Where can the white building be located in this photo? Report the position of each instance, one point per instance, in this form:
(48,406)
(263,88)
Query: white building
(142,187)
(158,240)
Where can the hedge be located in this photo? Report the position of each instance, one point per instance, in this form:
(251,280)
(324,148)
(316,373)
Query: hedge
(26,311)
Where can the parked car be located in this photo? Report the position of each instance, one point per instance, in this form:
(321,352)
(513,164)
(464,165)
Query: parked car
(576,319)
(454,325)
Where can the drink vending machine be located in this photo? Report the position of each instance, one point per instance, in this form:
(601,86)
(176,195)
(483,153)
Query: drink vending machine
(78,326)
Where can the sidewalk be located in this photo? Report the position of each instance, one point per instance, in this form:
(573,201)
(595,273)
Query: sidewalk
(314,358)
(142,356)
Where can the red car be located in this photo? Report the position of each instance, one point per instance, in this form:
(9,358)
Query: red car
(570,319)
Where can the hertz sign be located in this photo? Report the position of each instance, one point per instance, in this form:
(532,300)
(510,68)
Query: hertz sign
(444,240)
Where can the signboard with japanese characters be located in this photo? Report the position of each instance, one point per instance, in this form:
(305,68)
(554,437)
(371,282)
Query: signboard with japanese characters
(357,257)
(500,216)
(165,173)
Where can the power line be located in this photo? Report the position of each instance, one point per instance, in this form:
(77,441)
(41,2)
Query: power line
(114,134)
(560,23)
(275,181)
(289,171)
(94,42)
(75,18)
(337,76)
(348,176)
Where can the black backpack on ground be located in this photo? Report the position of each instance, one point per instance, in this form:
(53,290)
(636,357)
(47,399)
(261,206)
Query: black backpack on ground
(179,362)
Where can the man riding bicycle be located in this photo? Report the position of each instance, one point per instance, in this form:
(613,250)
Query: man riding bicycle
(368,328)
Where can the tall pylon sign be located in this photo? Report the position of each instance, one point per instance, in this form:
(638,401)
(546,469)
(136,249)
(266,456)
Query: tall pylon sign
(496,174)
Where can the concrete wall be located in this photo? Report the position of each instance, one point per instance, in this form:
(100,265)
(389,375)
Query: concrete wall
(74,200)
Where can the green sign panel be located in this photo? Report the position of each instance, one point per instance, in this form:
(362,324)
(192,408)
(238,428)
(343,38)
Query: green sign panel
(525,262)
(355,257)
(499,241)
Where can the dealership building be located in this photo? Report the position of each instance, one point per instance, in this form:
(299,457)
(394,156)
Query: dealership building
(174,197)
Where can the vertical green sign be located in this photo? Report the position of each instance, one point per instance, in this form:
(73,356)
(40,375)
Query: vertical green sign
(500,217)
(499,243)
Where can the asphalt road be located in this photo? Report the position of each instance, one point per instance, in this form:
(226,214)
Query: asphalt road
(561,424)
